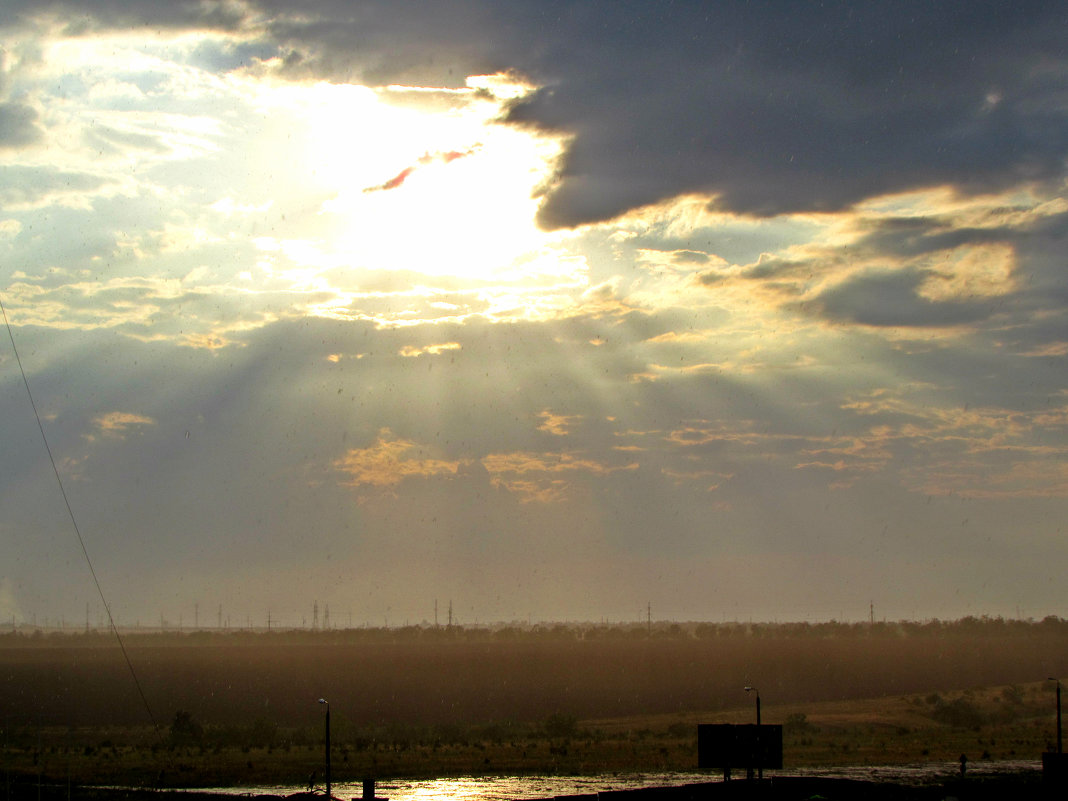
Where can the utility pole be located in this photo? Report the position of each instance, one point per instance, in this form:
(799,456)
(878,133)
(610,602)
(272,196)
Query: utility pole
(324,701)
(760,743)
(1060,742)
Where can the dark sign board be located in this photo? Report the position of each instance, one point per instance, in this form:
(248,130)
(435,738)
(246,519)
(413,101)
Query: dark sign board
(726,745)
(1055,769)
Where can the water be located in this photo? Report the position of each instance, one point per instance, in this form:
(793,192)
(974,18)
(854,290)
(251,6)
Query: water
(514,788)
(491,788)
(918,773)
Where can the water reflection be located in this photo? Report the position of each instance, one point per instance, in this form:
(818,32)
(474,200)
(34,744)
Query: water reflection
(514,788)
(511,788)
(919,773)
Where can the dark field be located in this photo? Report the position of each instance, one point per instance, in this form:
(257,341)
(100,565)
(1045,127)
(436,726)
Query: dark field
(234,708)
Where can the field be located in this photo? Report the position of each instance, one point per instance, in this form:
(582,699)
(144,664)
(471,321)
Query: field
(241,708)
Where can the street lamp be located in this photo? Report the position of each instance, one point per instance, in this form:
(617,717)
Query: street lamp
(749,689)
(1059,741)
(327,705)
(760,742)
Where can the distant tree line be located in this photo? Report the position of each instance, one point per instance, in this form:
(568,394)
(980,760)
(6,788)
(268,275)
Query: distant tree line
(969,626)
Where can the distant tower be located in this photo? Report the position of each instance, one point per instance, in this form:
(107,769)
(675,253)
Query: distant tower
(315,615)
(326,617)
(450,613)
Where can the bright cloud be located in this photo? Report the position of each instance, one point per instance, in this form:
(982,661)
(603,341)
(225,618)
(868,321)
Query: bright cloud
(390,461)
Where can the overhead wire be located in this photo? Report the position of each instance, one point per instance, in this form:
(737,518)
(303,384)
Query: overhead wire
(77,530)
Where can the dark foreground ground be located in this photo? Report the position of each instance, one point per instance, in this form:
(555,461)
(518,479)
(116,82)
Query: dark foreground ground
(1027,785)
(241,709)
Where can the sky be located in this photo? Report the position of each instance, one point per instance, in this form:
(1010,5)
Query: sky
(535,310)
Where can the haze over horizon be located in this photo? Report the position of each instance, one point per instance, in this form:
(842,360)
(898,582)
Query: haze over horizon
(550,309)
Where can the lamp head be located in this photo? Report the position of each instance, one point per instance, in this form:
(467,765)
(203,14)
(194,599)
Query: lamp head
(324,701)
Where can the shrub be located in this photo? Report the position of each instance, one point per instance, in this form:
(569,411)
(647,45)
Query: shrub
(560,725)
(185,729)
(958,713)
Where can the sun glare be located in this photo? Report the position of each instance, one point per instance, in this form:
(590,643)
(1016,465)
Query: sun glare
(425,181)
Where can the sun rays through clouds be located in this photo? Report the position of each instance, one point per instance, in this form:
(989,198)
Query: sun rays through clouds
(571,306)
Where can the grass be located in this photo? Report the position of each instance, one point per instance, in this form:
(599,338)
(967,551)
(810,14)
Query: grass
(993,723)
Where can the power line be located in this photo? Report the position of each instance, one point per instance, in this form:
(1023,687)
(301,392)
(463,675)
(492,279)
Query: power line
(74,524)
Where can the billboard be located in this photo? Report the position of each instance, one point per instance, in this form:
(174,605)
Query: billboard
(727,745)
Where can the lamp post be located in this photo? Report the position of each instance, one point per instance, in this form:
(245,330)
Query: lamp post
(760,743)
(1060,749)
(327,705)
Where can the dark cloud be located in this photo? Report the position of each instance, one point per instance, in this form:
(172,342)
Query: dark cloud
(914,236)
(80,17)
(780,108)
(386,43)
(892,298)
(18,125)
(772,107)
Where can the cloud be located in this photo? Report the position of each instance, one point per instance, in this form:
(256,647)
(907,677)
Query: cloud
(411,351)
(80,18)
(767,111)
(117,424)
(24,188)
(897,298)
(774,112)
(537,476)
(428,158)
(557,424)
(389,461)
(18,126)
(393,182)
(818,258)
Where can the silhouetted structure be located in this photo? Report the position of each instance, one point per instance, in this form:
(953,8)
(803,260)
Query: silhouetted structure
(728,746)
